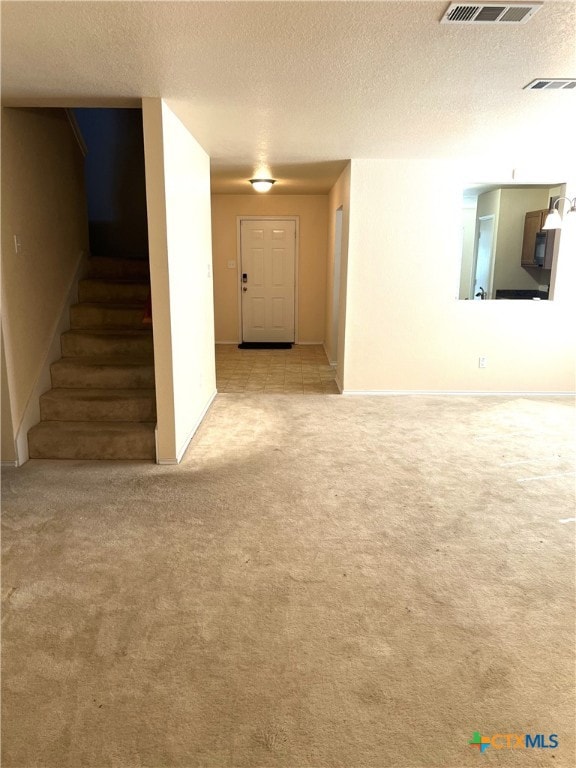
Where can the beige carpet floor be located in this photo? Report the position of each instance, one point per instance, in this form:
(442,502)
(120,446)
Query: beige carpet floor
(325,582)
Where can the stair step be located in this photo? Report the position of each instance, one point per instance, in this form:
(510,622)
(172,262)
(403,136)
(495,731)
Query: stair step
(110,267)
(92,440)
(78,343)
(114,291)
(103,372)
(106,316)
(98,405)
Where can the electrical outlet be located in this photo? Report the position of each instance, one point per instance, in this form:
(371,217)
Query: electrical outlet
(482,362)
(209,270)
(231,264)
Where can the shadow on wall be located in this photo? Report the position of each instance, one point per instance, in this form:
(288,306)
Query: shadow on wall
(115,181)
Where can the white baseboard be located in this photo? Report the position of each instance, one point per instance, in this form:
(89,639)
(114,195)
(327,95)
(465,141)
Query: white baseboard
(9,463)
(226,342)
(339,385)
(190,435)
(44,381)
(447,393)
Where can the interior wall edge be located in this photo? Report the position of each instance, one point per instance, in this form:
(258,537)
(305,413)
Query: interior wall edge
(159,278)
(187,440)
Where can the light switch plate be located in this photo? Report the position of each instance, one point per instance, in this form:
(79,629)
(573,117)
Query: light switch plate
(232,264)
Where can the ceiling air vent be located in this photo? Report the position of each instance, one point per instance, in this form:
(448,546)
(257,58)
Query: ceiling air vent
(489,13)
(551,84)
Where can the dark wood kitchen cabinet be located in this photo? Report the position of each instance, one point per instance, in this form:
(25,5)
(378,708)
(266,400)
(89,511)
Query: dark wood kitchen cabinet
(533,224)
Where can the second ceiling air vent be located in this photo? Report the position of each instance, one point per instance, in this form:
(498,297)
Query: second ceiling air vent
(552,84)
(489,13)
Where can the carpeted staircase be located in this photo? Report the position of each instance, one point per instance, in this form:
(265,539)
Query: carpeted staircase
(102,404)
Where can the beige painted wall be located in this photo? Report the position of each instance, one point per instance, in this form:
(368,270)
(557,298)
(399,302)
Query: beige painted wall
(178,199)
(403,264)
(312,211)
(339,197)
(43,201)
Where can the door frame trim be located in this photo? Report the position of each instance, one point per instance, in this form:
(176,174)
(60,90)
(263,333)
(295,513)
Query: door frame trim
(239,220)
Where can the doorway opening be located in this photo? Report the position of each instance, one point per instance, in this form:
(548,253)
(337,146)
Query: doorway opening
(336,283)
(115,181)
(481,287)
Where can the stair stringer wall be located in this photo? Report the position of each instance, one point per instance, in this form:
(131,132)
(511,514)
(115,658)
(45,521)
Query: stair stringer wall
(44,236)
(43,382)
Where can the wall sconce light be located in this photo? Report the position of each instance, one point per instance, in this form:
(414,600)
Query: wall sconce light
(553,219)
(262,185)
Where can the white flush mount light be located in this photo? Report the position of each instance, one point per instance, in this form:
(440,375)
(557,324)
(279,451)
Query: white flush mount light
(262,185)
(553,219)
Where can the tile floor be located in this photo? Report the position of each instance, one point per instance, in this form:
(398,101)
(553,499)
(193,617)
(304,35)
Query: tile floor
(300,370)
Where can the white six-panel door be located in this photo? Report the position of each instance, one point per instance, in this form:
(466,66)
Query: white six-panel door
(268,250)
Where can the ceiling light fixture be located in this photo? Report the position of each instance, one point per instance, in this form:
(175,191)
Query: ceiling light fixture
(553,219)
(262,185)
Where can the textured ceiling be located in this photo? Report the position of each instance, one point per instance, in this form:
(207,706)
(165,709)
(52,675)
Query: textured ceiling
(296,88)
